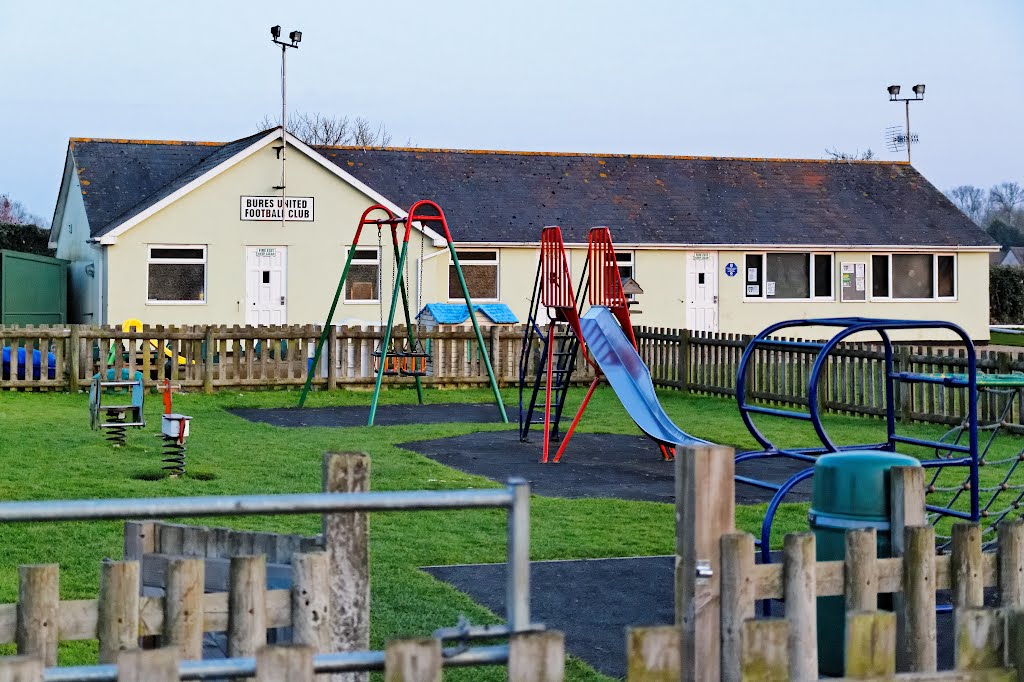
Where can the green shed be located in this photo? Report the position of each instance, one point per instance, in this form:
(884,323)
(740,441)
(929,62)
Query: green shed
(33,289)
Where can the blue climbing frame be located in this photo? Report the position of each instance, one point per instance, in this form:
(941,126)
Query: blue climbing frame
(959,454)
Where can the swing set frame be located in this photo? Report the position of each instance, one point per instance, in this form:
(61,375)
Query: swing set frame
(422,212)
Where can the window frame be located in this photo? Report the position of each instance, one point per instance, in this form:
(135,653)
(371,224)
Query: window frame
(496,263)
(763,279)
(934,298)
(630,262)
(205,261)
(365,261)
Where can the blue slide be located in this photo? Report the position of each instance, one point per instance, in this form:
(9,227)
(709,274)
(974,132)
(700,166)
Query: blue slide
(629,377)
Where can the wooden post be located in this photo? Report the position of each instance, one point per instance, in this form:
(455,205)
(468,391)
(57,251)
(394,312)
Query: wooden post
(705,511)
(495,334)
(155,665)
(904,391)
(764,656)
(183,607)
(117,625)
(652,654)
(38,602)
(979,636)
(1015,641)
(916,611)
(800,591)
(870,645)
(74,357)
(860,579)
(21,669)
(346,538)
(539,656)
(1011,564)
(247,606)
(332,357)
(139,539)
(906,501)
(412,660)
(208,360)
(684,360)
(284,664)
(311,606)
(966,580)
(737,598)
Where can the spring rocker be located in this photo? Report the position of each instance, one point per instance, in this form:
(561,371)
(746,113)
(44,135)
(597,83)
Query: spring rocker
(391,357)
(174,429)
(116,419)
(954,456)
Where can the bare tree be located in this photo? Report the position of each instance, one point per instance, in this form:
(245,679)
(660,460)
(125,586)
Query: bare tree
(858,155)
(1006,197)
(971,201)
(318,129)
(13,212)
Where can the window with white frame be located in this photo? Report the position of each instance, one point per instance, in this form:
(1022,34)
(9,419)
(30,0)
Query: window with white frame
(176,274)
(791,276)
(626,269)
(362,285)
(913,276)
(480,268)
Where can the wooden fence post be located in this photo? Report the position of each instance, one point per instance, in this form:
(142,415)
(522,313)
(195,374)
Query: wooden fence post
(737,598)
(916,611)
(1011,564)
(72,355)
(870,645)
(155,665)
(38,602)
(652,654)
(183,607)
(346,538)
(247,605)
(906,502)
(21,669)
(684,360)
(966,580)
(284,664)
(764,656)
(332,357)
(117,624)
(860,577)
(705,511)
(208,357)
(311,605)
(495,334)
(904,391)
(412,660)
(800,592)
(980,638)
(538,657)
(1015,641)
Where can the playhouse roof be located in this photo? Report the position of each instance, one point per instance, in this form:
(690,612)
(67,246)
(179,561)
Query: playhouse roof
(457,313)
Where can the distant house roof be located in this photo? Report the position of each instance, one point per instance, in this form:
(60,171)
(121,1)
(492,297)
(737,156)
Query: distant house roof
(1013,255)
(457,313)
(500,197)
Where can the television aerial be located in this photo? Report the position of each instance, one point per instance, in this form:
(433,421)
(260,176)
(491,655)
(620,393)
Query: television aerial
(896,138)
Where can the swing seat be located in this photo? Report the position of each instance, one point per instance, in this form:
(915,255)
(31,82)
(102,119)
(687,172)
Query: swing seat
(392,364)
(417,362)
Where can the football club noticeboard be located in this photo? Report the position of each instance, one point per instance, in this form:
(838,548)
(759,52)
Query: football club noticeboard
(854,281)
(274,208)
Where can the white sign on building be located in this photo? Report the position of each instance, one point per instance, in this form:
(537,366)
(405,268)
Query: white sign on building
(273,208)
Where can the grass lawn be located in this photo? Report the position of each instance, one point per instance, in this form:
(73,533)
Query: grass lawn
(49,452)
(1006,339)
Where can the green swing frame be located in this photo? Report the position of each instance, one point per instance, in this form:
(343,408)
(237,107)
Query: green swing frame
(423,212)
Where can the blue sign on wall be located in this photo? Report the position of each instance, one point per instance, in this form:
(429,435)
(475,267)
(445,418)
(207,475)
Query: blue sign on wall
(731,269)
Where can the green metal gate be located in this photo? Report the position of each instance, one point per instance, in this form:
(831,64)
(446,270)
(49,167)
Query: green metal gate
(33,289)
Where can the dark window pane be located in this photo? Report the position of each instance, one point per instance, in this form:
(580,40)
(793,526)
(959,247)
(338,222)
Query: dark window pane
(912,275)
(481,280)
(365,254)
(177,282)
(477,255)
(822,275)
(752,275)
(361,284)
(790,273)
(625,272)
(192,254)
(880,276)
(266,276)
(624,257)
(947,276)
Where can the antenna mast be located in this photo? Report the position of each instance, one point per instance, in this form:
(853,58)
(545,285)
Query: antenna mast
(295,37)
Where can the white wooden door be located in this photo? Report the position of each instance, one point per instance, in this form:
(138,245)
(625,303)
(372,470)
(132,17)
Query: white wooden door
(266,285)
(702,291)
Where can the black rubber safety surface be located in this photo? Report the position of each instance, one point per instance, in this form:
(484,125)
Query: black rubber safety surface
(594,601)
(387,415)
(594,465)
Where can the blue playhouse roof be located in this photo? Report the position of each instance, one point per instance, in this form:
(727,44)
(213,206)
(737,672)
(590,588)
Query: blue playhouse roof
(457,313)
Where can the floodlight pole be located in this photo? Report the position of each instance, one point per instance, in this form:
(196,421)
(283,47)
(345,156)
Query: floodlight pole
(284,112)
(907,106)
(918,96)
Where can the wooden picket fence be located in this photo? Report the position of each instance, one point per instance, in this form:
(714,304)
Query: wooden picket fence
(718,584)
(854,381)
(212,357)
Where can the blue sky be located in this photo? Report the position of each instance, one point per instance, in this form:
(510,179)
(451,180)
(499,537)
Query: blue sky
(781,79)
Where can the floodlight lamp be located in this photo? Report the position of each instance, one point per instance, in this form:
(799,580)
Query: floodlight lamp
(893,90)
(919,89)
(275,32)
(296,36)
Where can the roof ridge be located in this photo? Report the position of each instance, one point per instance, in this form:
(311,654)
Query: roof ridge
(679,157)
(192,143)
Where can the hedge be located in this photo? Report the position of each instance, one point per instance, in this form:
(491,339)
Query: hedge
(25,238)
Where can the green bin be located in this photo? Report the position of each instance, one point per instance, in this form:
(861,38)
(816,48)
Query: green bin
(851,490)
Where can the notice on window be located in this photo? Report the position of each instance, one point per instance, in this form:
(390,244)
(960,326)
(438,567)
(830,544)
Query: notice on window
(753,290)
(853,282)
(751,274)
(769,288)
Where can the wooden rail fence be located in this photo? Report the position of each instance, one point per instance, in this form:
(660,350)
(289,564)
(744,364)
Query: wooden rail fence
(211,357)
